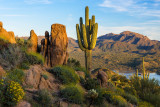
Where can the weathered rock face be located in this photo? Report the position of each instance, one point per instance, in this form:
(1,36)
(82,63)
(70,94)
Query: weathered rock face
(2,72)
(33,40)
(54,48)
(59,44)
(35,79)
(9,36)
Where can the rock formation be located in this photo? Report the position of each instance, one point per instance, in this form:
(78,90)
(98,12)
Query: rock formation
(54,48)
(8,36)
(2,72)
(34,78)
(33,42)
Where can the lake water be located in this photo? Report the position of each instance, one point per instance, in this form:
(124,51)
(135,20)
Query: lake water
(152,75)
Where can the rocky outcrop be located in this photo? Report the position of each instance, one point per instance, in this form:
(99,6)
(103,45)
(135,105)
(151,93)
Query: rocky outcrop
(2,72)
(54,48)
(32,42)
(34,78)
(23,104)
(8,36)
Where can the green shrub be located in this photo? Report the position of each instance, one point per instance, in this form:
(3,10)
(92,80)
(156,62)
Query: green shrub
(34,58)
(115,99)
(24,66)
(130,98)
(16,75)
(119,91)
(99,100)
(45,76)
(130,90)
(91,84)
(147,89)
(44,97)
(65,74)
(119,100)
(72,94)
(11,57)
(144,104)
(108,95)
(10,92)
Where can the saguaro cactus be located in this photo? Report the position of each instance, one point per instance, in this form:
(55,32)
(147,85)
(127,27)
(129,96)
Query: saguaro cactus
(145,75)
(87,36)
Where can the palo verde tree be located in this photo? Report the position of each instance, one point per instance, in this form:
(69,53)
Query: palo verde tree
(87,36)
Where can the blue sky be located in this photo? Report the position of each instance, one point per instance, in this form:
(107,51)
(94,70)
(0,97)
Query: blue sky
(141,16)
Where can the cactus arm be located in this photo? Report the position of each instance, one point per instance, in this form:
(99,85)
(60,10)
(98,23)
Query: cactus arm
(94,36)
(84,36)
(79,38)
(93,19)
(87,16)
(137,72)
(143,69)
(90,26)
(81,23)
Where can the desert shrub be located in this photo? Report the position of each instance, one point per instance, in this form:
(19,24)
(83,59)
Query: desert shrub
(147,89)
(115,78)
(108,95)
(119,100)
(34,58)
(72,94)
(3,43)
(130,98)
(130,90)
(123,78)
(44,97)
(119,91)
(115,99)
(99,100)
(73,63)
(91,84)
(144,104)
(11,57)
(45,76)
(11,93)
(65,74)
(24,66)
(16,75)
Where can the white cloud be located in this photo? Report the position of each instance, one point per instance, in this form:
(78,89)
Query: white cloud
(37,1)
(70,17)
(134,7)
(151,32)
(119,5)
(11,15)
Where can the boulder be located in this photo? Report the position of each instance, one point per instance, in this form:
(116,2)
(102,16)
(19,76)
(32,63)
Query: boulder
(35,79)
(59,44)
(54,48)
(23,104)
(103,78)
(2,72)
(8,36)
(33,42)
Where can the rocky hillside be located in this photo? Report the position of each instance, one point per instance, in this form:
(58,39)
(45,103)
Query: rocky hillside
(121,51)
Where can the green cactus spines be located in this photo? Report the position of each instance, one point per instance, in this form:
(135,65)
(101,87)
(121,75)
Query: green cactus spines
(84,36)
(137,73)
(94,36)
(145,75)
(79,38)
(143,69)
(93,19)
(86,16)
(87,36)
